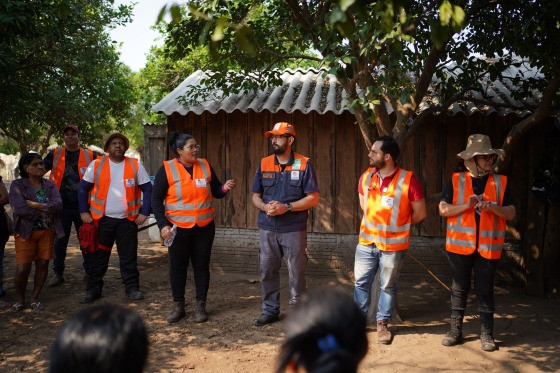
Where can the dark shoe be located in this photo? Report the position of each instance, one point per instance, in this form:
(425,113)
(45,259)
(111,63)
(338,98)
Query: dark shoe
(178,312)
(487,342)
(200,311)
(89,297)
(383,333)
(134,295)
(455,335)
(2,292)
(56,280)
(265,319)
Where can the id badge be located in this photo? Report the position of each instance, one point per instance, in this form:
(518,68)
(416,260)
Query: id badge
(200,183)
(387,201)
(295,175)
(130,182)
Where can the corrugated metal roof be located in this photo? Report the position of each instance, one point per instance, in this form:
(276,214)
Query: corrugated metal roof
(308,90)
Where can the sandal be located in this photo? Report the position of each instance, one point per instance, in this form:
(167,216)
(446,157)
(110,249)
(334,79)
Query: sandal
(37,306)
(17,307)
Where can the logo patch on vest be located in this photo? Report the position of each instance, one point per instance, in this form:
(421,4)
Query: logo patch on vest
(297,164)
(130,182)
(386,201)
(200,183)
(269,175)
(83,170)
(294,175)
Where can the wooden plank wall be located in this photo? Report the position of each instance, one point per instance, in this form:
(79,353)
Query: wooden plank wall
(234,144)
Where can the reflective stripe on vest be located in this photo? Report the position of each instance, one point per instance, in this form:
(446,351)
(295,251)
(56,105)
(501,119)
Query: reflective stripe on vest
(102,180)
(461,229)
(389,235)
(186,204)
(59,164)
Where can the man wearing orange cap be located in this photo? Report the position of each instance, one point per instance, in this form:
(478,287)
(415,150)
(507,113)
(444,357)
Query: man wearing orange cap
(284,188)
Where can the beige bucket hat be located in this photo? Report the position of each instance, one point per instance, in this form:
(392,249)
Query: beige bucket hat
(478,144)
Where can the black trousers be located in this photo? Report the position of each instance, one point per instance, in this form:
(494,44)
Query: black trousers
(125,233)
(462,266)
(67,218)
(194,244)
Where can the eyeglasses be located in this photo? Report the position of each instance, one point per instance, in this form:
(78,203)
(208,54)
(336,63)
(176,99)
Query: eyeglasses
(37,164)
(276,138)
(192,148)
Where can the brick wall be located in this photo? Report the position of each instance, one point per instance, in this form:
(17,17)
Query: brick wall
(332,255)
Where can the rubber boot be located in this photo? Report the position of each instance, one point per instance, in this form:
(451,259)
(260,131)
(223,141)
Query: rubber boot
(487,332)
(383,333)
(455,335)
(200,311)
(178,312)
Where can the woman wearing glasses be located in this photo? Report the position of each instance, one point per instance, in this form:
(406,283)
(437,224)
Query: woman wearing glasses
(35,203)
(477,204)
(182,199)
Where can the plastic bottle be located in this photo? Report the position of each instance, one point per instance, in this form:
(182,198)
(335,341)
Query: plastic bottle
(169,242)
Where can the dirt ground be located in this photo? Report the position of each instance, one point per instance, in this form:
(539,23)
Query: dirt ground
(527,329)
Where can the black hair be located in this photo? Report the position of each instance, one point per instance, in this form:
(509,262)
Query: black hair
(178,140)
(101,339)
(389,146)
(26,160)
(325,333)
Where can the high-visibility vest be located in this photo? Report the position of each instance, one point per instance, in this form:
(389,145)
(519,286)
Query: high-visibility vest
(461,228)
(387,215)
(59,164)
(102,180)
(189,199)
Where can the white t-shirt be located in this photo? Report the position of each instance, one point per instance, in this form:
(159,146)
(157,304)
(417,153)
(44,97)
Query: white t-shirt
(116,204)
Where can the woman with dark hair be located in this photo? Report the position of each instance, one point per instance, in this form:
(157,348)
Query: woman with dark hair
(101,339)
(325,332)
(35,203)
(182,204)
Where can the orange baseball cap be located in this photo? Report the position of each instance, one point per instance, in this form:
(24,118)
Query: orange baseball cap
(281,128)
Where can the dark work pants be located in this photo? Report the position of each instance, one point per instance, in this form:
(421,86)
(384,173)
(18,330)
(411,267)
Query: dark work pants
(194,244)
(67,218)
(484,272)
(125,233)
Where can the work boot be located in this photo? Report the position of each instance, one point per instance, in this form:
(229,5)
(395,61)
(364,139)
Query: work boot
(56,280)
(487,332)
(178,312)
(383,333)
(455,335)
(200,311)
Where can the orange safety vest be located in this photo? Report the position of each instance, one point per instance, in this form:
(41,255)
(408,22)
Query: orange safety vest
(59,164)
(387,216)
(189,199)
(461,229)
(102,180)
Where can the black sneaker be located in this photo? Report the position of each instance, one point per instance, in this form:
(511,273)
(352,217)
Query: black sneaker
(89,297)
(265,319)
(134,295)
(56,280)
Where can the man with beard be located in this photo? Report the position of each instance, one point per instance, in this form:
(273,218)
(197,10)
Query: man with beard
(116,182)
(392,199)
(284,188)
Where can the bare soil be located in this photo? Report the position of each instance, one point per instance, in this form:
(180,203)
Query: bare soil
(527,329)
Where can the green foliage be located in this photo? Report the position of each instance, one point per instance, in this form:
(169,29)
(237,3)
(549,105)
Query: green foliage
(58,66)
(8,146)
(389,50)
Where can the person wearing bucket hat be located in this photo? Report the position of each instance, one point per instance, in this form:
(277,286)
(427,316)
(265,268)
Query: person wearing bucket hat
(117,183)
(284,189)
(67,165)
(476,203)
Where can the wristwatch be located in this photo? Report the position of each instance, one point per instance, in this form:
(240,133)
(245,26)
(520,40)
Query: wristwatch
(289,206)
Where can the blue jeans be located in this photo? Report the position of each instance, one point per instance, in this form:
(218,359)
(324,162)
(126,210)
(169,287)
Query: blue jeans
(274,246)
(368,260)
(67,218)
